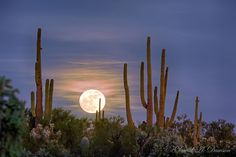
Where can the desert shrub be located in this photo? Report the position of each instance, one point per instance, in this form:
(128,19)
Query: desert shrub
(166,143)
(72,129)
(106,140)
(46,139)
(11,120)
(129,141)
(220,130)
(183,126)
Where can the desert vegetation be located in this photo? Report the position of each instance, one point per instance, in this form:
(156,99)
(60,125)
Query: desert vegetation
(46,131)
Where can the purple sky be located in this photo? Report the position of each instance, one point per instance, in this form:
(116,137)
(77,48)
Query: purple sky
(85,44)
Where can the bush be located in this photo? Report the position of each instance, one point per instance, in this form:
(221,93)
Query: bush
(71,131)
(11,120)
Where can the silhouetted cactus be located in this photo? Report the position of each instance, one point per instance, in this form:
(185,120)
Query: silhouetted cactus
(39,93)
(32,104)
(46,111)
(174,109)
(156,103)
(50,95)
(163,85)
(100,113)
(148,105)
(38,79)
(127,98)
(163,90)
(195,131)
(159,102)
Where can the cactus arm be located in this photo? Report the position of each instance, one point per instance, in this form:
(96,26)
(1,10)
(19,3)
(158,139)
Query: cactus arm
(143,101)
(174,109)
(127,97)
(165,85)
(96,115)
(162,91)
(50,97)
(47,97)
(167,122)
(103,114)
(156,102)
(33,104)
(99,109)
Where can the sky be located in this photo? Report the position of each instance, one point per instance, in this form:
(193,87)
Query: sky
(86,43)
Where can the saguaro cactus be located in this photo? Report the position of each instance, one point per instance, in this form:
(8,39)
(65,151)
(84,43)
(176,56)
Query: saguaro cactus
(100,113)
(195,131)
(39,93)
(163,90)
(127,97)
(38,79)
(148,105)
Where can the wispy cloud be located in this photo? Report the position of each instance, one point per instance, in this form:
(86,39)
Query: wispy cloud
(71,82)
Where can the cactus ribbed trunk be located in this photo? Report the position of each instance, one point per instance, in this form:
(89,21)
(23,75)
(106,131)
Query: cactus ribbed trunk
(38,79)
(161,120)
(195,131)
(149,83)
(199,127)
(174,109)
(127,98)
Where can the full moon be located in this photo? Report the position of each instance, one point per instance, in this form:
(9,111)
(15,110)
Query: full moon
(89,100)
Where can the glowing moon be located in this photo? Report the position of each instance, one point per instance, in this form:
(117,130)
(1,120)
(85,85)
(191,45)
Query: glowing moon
(89,100)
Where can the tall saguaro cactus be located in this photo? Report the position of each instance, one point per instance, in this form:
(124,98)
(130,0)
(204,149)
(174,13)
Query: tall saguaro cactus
(148,105)
(127,97)
(38,79)
(163,85)
(197,124)
(163,90)
(37,108)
